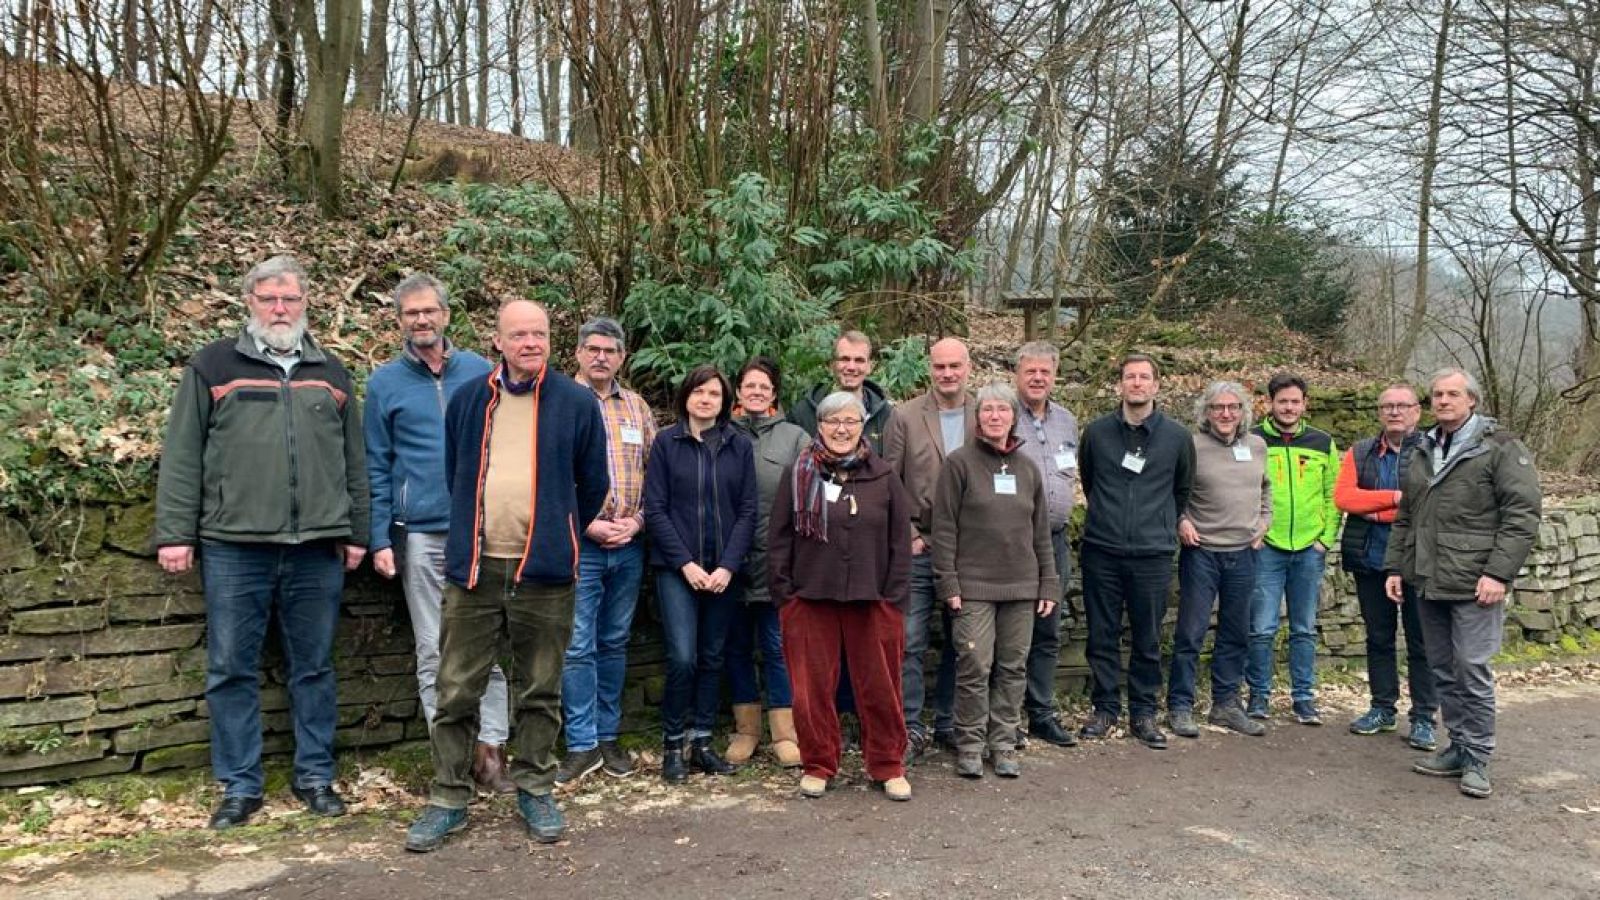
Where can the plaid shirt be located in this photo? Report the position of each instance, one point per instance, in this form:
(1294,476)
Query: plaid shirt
(625,411)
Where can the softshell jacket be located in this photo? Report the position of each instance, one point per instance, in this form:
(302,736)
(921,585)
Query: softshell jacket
(1303,466)
(778,443)
(680,474)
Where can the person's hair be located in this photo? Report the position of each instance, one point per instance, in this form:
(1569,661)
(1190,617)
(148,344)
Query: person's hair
(1131,358)
(1209,396)
(766,366)
(1001,391)
(280,266)
(1473,391)
(417,282)
(697,376)
(603,327)
(854,337)
(838,402)
(1038,350)
(1284,380)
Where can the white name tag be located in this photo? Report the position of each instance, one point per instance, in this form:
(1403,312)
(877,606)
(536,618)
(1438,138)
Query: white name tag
(1133,463)
(1241,453)
(832,491)
(1067,459)
(1005,484)
(631,435)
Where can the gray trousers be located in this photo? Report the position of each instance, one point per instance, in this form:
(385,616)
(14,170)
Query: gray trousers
(421,564)
(1461,637)
(991,672)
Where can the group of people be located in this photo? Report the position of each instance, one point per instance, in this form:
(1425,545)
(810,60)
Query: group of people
(521,508)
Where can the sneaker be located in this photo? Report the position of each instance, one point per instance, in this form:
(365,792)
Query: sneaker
(1373,721)
(969,765)
(1145,730)
(1099,726)
(434,825)
(897,789)
(1475,778)
(1182,723)
(1006,764)
(1422,735)
(1447,763)
(545,822)
(917,746)
(1305,712)
(1050,731)
(617,762)
(1258,707)
(1231,715)
(812,787)
(578,764)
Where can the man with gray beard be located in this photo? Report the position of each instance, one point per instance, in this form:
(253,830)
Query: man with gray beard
(263,477)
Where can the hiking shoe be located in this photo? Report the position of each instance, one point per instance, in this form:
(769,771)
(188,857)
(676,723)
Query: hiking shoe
(1475,778)
(1447,763)
(1099,726)
(545,822)
(434,825)
(1373,721)
(617,762)
(969,764)
(1230,715)
(1422,735)
(1258,707)
(897,789)
(1145,730)
(1182,723)
(578,764)
(917,746)
(1006,764)
(812,787)
(1305,712)
(1050,731)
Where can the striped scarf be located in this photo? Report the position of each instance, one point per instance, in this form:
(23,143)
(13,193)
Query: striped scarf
(811,472)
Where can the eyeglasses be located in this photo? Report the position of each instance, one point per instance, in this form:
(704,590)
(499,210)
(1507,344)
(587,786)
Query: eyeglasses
(601,351)
(842,423)
(1390,409)
(290,301)
(1225,407)
(411,315)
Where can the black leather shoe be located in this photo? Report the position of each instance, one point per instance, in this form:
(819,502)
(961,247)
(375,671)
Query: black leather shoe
(702,757)
(321,800)
(233,812)
(1098,726)
(1145,730)
(1050,731)
(673,770)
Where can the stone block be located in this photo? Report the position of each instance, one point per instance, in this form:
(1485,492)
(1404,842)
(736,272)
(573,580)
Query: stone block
(179,688)
(132,529)
(72,751)
(154,712)
(1544,637)
(59,620)
(376,690)
(52,677)
(1535,599)
(76,533)
(156,608)
(181,756)
(135,739)
(1584,525)
(107,576)
(1535,619)
(397,664)
(16,546)
(358,736)
(372,637)
(106,642)
(110,765)
(38,712)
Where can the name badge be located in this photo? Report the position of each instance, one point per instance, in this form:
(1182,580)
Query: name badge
(1005,483)
(832,491)
(1241,453)
(1133,463)
(1067,459)
(631,435)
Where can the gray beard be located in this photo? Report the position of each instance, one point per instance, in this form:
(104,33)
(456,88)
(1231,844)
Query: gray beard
(281,341)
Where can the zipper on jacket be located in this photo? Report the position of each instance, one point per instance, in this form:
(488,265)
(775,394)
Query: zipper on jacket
(716,503)
(294,466)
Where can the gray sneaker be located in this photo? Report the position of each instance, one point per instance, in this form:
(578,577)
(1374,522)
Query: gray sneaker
(579,764)
(1230,716)
(1182,723)
(1475,778)
(1447,763)
(969,765)
(1006,764)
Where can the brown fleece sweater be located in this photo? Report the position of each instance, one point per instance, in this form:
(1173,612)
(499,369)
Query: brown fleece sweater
(989,546)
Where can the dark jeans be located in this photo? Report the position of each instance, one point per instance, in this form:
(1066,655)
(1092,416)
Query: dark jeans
(1045,649)
(753,625)
(1382,616)
(1226,579)
(532,623)
(1114,584)
(695,626)
(245,584)
(919,612)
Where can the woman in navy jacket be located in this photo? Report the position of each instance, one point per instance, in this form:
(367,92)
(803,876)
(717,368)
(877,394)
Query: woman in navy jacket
(700,504)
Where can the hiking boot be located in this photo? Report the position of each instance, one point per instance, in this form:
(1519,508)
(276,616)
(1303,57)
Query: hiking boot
(545,822)
(1305,712)
(434,825)
(1182,723)
(917,746)
(702,757)
(617,762)
(578,764)
(969,764)
(1373,721)
(897,789)
(673,767)
(1447,763)
(1006,764)
(1145,730)
(1099,726)
(1230,715)
(1422,735)
(1258,707)
(1050,731)
(1475,778)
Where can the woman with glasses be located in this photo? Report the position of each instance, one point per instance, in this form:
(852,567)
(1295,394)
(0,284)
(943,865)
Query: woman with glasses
(994,566)
(839,559)
(700,510)
(778,443)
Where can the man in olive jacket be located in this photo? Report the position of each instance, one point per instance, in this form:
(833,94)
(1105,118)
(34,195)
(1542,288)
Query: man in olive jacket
(1469,515)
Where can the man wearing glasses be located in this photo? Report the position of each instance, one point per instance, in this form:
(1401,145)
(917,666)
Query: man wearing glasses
(404,429)
(852,363)
(263,477)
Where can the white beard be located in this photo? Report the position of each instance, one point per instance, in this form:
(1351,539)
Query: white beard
(279,339)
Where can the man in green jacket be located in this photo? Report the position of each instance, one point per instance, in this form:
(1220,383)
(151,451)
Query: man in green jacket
(1468,517)
(263,476)
(1303,465)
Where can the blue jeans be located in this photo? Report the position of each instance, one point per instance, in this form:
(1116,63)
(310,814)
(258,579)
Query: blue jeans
(597,657)
(695,626)
(1297,577)
(245,584)
(919,622)
(1227,579)
(756,624)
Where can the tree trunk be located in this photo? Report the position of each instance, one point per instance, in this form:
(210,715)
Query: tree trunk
(550,57)
(481,114)
(584,134)
(460,55)
(373,73)
(1430,164)
(330,51)
(514,63)
(930,24)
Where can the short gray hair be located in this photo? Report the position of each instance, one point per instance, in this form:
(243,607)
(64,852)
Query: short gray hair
(1038,350)
(417,282)
(280,266)
(604,327)
(839,401)
(1473,390)
(1209,396)
(1001,391)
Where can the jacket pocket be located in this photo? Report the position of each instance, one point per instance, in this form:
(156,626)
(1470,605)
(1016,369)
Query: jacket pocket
(1461,560)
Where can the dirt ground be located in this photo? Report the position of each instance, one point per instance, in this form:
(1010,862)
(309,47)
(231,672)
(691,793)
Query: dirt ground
(1303,812)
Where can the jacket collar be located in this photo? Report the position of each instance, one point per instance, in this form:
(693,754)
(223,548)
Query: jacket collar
(409,354)
(1270,427)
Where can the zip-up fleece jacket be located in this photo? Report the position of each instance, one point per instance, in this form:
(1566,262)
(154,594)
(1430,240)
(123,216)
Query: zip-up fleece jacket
(257,455)
(679,475)
(804,413)
(1477,515)
(404,427)
(570,477)
(1135,514)
(1303,467)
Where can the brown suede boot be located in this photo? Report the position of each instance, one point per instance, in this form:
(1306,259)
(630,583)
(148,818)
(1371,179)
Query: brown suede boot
(785,741)
(490,771)
(746,733)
